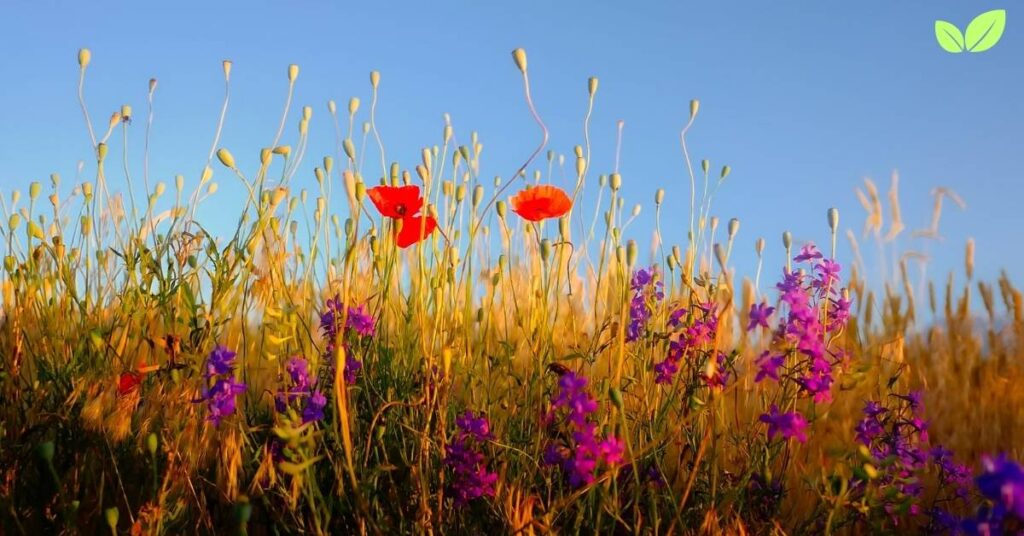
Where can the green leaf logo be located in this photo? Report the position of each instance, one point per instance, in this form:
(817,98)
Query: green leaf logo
(982,33)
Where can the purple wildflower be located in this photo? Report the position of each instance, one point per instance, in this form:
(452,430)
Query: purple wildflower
(759,314)
(808,253)
(314,409)
(220,397)
(788,425)
(471,477)
(587,450)
(768,366)
(645,285)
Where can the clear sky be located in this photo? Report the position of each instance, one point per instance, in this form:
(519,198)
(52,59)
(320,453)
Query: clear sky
(801,99)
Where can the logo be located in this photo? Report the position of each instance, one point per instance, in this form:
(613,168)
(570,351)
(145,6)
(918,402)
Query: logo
(982,33)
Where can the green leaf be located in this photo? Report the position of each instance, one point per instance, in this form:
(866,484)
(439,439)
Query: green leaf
(949,37)
(985,30)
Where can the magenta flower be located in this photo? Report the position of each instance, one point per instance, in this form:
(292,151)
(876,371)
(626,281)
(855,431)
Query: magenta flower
(587,451)
(220,397)
(768,366)
(808,253)
(471,477)
(789,425)
(759,314)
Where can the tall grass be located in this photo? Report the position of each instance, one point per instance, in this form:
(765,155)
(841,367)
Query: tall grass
(552,331)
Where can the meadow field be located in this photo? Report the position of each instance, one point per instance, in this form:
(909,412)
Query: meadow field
(412,347)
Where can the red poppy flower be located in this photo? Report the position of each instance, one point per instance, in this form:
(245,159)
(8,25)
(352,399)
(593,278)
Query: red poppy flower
(128,382)
(396,202)
(541,202)
(410,234)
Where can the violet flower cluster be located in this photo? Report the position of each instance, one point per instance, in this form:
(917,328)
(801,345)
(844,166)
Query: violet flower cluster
(647,289)
(220,396)
(583,453)
(359,322)
(693,328)
(301,392)
(1002,483)
(471,477)
(788,425)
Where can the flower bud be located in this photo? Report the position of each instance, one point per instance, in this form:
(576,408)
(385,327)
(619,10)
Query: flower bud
(725,173)
(374,79)
(759,246)
(112,515)
(226,158)
(631,253)
(226,66)
(694,108)
(734,227)
(545,250)
(84,57)
(519,56)
(592,85)
(293,72)
(152,442)
(787,240)
(34,189)
(833,219)
(616,181)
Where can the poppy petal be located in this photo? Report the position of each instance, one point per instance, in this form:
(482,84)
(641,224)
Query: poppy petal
(396,202)
(541,202)
(410,233)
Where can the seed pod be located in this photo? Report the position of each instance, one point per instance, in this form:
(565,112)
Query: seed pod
(501,208)
(545,250)
(283,150)
(226,66)
(350,148)
(112,515)
(478,195)
(14,221)
(34,189)
(207,175)
(293,72)
(659,196)
(592,85)
(84,57)
(725,173)
(694,108)
(787,240)
(631,253)
(179,182)
(759,246)
(151,443)
(636,210)
(563,228)
(101,151)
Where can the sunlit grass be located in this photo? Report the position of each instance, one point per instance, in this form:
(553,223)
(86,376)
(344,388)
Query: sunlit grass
(114,300)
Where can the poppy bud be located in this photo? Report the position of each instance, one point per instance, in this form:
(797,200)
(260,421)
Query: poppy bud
(86,225)
(734,227)
(293,72)
(519,56)
(725,173)
(545,250)
(563,228)
(14,221)
(84,57)
(350,149)
(833,219)
(460,192)
(720,256)
(101,151)
(705,165)
(374,79)
(283,150)
(592,85)
(226,158)
(332,107)
(636,210)
(152,443)
(501,208)
(631,253)
(616,181)
(34,189)
(207,175)
(478,195)
(694,108)
(126,112)
(787,241)
(179,182)
(659,196)
(620,255)
(112,515)
(226,66)
(759,246)
(211,189)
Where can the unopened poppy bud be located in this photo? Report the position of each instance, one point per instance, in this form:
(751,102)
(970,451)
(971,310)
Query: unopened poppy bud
(9,263)
(54,200)
(126,112)
(725,173)
(478,195)
(592,85)
(86,225)
(161,187)
(734,227)
(787,240)
(226,66)
(620,256)
(115,118)
(833,219)
(350,148)
(179,182)
(759,246)
(265,156)
(319,174)
(332,107)
(14,221)
(501,208)
(328,164)
(602,180)
(293,72)
(519,56)
(207,175)
(631,253)
(366,127)
(671,261)
(84,57)
(636,210)
(460,192)
(211,189)
(55,179)
(152,85)
(447,133)
(545,250)
(694,108)
(101,151)
(374,79)
(659,196)
(563,228)
(226,158)
(581,166)
(283,150)
(616,181)
(705,165)
(307,112)
(152,442)
(112,515)
(360,191)
(34,189)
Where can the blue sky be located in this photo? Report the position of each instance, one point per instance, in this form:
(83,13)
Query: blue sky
(801,99)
